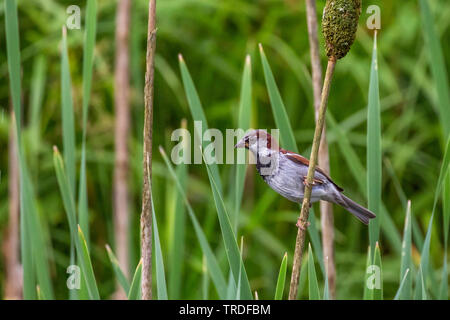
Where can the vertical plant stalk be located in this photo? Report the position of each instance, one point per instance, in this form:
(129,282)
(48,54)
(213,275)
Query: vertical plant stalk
(304,214)
(326,208)
(146,215)
(339,25)
(13,281)
(122,128)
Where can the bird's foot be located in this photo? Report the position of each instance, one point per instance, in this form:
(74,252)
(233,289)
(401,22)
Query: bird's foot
(306,184)
(302,224)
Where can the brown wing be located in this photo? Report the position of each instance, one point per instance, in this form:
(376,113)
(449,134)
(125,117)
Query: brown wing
(302,160)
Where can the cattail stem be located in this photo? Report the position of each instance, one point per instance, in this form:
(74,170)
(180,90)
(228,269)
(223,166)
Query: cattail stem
(326,208)
(300,241)
(146,215)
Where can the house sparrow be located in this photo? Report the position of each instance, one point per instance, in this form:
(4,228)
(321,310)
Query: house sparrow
(285,172)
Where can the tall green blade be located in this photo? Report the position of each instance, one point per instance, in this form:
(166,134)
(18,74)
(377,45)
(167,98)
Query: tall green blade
(367,274)
(86,264)
(36,96)
(437,65)
(405,293)
(88,66)
(205,280)
(313,284)
(75,230)
(198,115)
(245,109)
(212,265)
(135,288)
(281,278)
(159,262)
(177,231)
(238,288)
(68,127)
(33,250)
(443,290)
(123,281)
(398,295)
(374,148)
(420,289)
(377,291)
(13,54)
(229,239)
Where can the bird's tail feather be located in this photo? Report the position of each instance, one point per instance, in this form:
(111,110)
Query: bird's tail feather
(363,214)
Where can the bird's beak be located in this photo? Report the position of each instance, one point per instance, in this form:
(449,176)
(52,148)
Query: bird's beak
(241,143)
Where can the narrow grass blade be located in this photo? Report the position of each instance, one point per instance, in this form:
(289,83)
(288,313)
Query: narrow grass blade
(205,280)
(75,231)
(405,291)
(443,290)
(123,281)
(39,293)
(400,291)
(228,237)
(88,66)
(245,110)
(198,115)
(374,148)
(278,108)
(314,237)
(446,207)
(238,288)
(36,96)
(160,274)
(281,279)
(212,265)
(13,54)
(135,288)
(88,271)
(313,284)
(368,272)
(437,65)
(68,127)
(177,231)
(33,250)
(420,289)
(377,291)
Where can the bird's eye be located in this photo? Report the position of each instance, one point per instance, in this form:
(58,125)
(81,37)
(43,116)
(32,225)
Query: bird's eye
(246,140)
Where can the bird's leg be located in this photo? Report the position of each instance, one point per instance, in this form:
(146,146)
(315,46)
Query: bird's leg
(306,184)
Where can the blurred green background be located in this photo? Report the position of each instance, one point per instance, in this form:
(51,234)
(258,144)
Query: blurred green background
(214,38)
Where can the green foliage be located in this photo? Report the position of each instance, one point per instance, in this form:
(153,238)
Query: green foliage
(374,175)
(313,284)
(408,106)
(281,278)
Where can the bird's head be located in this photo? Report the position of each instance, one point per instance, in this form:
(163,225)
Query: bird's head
(259,142)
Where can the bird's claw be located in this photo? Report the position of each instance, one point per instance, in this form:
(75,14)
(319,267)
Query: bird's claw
(306,184)
(302,225)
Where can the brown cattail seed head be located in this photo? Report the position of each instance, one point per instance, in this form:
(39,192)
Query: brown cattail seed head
(339,24)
